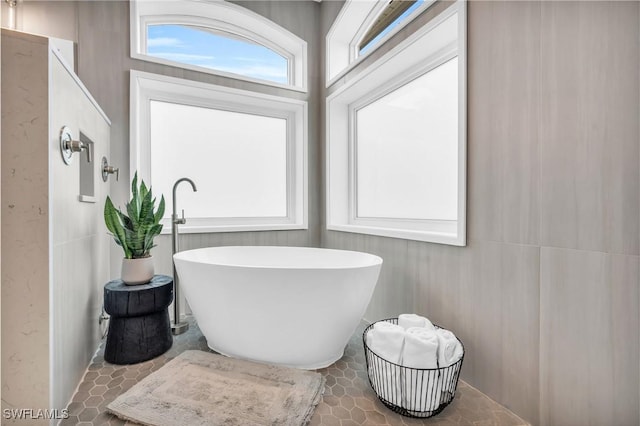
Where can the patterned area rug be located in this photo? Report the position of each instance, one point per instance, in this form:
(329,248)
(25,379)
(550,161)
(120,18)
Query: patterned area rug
(200,388)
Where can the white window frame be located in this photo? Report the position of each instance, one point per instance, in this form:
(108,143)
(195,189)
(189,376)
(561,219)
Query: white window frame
(147,87)
(219,17)
(346,32)
(443,38)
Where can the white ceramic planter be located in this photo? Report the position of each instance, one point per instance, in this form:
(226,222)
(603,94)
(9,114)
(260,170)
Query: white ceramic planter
(137,271)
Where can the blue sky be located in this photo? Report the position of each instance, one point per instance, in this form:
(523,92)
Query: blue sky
(391,26)
(199,47)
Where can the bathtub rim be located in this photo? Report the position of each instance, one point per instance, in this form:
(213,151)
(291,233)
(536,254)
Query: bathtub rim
(377,261)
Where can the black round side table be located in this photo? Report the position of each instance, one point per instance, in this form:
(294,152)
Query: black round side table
(139,327)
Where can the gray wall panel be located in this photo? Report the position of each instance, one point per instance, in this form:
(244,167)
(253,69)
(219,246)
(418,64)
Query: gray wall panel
(553,157)
(588,344)
(503,78)
(589,126)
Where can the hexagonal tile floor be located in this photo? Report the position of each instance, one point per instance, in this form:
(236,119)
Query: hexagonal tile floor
(348,398)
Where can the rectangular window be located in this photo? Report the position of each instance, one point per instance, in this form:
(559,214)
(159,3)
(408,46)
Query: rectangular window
(245,151)
(396,135)
(238,160)
(406,146)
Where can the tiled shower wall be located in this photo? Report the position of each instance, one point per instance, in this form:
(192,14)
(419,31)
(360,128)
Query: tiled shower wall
(55,252)
(25,331)
(545,294)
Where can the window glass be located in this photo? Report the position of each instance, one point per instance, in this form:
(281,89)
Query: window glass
(226,52)
(407,150)
(392,16)
(237,160)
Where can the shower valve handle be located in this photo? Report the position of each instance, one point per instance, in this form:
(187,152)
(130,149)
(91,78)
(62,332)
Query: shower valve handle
(109,170)
(68,146)
(78,146)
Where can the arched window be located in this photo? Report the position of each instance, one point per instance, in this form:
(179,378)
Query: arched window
(219,38)
(394,15)
(362,25)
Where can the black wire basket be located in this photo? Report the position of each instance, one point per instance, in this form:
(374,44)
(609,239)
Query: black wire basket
(411,392)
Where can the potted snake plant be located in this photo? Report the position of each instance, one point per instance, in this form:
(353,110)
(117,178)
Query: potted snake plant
(135,230)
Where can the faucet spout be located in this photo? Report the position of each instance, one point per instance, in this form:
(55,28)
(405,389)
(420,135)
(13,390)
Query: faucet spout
(175,187)
(177,327)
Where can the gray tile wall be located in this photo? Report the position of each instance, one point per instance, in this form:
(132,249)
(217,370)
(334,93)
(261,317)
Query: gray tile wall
(545,295)
(589,126)
(588,340)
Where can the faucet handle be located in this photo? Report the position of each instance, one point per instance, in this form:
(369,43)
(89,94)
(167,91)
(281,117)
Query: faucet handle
(179,221)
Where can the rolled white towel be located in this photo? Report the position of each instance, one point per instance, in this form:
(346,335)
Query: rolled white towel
(420,348)
(421,388)
(408,321)
(450,350)
(387,341)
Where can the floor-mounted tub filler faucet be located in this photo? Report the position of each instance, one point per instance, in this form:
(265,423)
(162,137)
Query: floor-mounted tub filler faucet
(177,327)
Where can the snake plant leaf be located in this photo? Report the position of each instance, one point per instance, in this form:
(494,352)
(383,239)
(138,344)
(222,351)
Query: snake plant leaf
(135,242)
(146,208)
(126,221)
(134,188)
(143,194)
(160,212)
(153,232)
(108,211)
(132,211)
(112,220)
(135,230)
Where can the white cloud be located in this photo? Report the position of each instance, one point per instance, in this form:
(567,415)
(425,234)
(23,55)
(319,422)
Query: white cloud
(260,71)
(184,57)
(163,42)
(243,59)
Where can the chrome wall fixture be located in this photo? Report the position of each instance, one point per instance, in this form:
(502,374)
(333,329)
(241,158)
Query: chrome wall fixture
(109,170)
(68,146)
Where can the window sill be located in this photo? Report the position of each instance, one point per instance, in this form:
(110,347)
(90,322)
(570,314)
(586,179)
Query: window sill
(456,239)
(208,229)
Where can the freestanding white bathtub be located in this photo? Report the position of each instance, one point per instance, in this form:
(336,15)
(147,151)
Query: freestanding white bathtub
(291,306)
